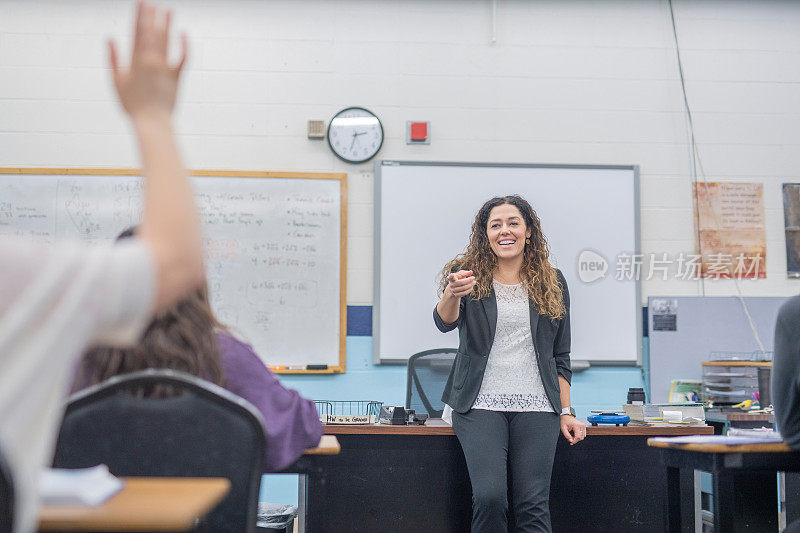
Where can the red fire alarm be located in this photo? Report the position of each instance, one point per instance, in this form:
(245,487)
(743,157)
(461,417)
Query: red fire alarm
(418,132)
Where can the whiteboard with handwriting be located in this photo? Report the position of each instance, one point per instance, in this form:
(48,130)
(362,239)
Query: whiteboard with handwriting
(274,246)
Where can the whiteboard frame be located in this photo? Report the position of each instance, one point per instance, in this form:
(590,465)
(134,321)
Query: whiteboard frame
(341,177)
(376,357)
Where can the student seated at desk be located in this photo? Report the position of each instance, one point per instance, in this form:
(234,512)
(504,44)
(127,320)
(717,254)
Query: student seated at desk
(189,338)
(56,298)
(785,378)
(785,375)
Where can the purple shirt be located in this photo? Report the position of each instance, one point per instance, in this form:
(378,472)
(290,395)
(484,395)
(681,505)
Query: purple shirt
(292,423)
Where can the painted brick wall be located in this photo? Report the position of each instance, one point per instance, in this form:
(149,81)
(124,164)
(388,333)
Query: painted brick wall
(565,82)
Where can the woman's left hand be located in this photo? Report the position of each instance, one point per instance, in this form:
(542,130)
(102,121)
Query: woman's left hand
(573,429)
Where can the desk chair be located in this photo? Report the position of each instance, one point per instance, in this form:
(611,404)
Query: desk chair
(199,430)
(6,497)
(427,376)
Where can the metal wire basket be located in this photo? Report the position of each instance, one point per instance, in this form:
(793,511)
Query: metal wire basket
(348,412)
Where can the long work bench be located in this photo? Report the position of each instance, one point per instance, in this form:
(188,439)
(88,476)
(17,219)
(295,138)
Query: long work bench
(414,478)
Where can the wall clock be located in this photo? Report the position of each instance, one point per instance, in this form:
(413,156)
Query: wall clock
(355,134)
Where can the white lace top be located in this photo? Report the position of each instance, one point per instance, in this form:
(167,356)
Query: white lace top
(511,381)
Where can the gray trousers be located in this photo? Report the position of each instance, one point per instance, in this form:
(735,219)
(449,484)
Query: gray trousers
(502,445)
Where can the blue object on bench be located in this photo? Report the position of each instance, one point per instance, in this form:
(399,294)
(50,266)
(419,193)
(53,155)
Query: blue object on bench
(609,418)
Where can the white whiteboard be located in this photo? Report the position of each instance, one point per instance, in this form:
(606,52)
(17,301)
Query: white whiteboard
(273,246)
(423,215)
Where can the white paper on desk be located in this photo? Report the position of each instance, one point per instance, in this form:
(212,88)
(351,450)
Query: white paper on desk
(81,486)
(713,439)
(763,433)
(447,414)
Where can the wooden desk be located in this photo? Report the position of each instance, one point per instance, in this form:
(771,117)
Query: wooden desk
(436,426)
(722,420)
(414,478)
(155,504)
(144,504)
(743,481)
(328,445)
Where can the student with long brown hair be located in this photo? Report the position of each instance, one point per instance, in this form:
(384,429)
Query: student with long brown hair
(509,388)
(189,338)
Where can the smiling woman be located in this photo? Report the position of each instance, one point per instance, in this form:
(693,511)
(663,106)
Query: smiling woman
(511,377)
(527,261)
(508,234)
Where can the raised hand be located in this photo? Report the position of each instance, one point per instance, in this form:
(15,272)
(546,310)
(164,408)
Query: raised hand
(460,283)
(149,87)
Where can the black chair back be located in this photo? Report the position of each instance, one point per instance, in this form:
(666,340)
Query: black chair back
(200,430)
(6,497)
(427,376)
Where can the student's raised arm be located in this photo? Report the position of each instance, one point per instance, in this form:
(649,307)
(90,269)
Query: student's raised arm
(147,91)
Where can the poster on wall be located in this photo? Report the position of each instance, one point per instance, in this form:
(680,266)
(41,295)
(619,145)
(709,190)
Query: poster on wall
(731,235)
(791,221)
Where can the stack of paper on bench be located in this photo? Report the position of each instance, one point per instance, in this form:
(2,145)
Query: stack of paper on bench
(760,433)
(666,414)
(83,486)
(728,440)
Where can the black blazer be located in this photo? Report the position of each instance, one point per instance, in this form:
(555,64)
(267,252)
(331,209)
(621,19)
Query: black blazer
(477,322)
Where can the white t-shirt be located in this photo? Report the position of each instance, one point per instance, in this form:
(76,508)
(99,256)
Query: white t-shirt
(56,299)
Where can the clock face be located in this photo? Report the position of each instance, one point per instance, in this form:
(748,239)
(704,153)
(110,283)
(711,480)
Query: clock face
(355,135)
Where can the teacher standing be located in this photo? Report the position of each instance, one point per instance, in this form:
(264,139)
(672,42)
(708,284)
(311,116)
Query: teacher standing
(510,382)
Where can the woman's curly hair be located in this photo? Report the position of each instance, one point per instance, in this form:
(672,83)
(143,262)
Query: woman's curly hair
(536,272)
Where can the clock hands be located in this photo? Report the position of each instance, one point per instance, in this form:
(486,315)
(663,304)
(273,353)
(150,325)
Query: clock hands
(355,137)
